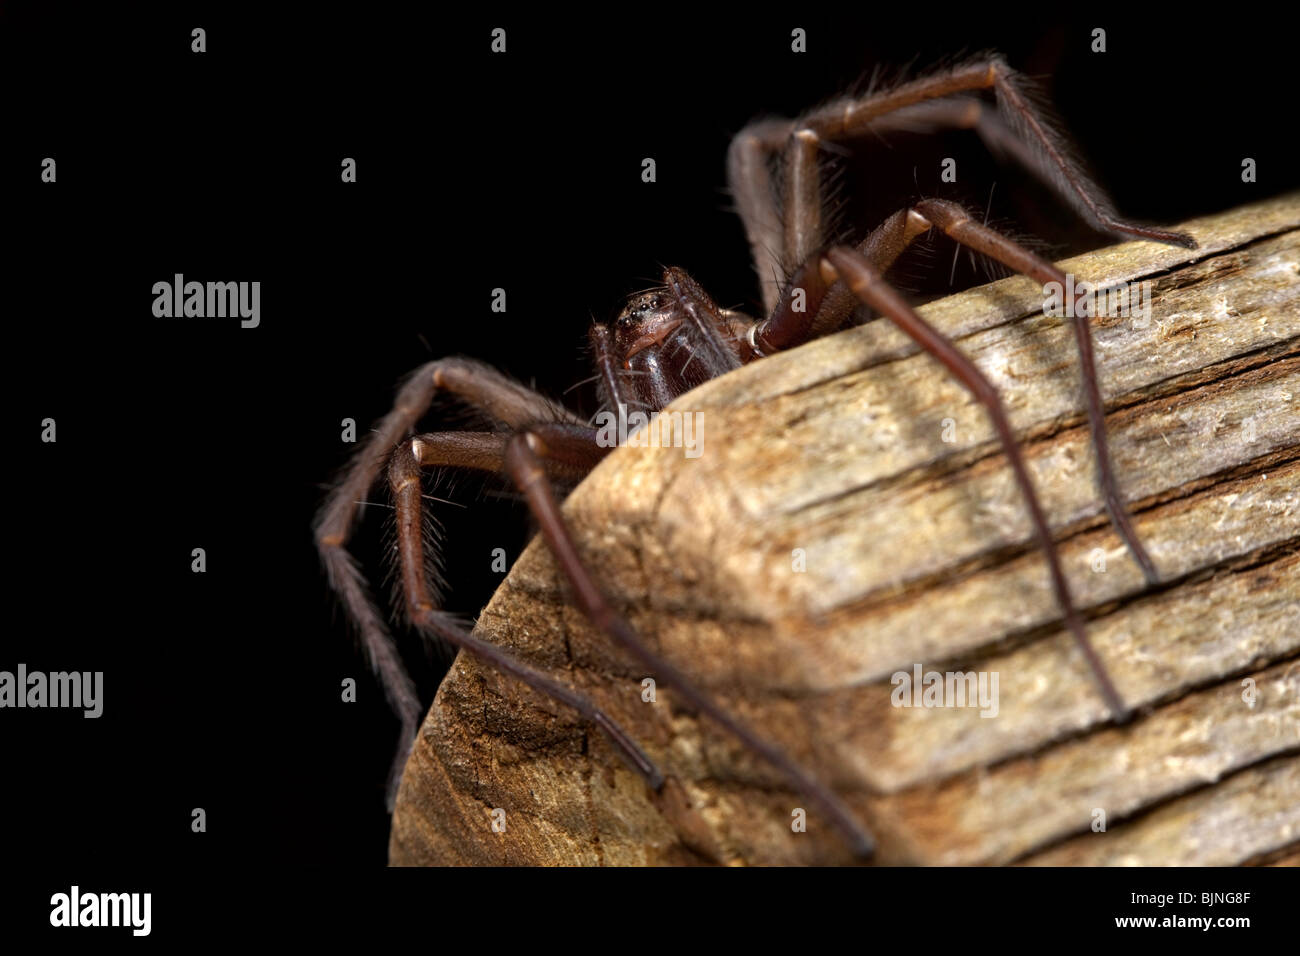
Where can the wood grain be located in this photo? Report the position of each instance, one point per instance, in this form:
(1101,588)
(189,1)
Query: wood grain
(865,457)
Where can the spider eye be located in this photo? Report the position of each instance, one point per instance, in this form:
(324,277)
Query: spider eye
(639,309)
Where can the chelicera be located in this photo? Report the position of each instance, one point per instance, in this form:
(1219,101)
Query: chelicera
(667,341)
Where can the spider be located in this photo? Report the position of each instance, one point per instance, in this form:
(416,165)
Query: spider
(667,341)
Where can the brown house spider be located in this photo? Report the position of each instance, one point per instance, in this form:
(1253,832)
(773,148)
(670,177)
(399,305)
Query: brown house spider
(667,341)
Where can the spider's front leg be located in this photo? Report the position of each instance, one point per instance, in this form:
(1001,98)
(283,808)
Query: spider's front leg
(865,281)
(822,308)
(534,457)
(788,327)
(525,460)
(548,443)
(577,451)
(957,224)
(473,383)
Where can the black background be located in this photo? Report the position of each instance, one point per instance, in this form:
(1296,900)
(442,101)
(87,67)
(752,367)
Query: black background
(475,171)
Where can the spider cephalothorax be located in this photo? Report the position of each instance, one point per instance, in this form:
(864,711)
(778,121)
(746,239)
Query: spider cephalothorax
(669,340)
(666,342)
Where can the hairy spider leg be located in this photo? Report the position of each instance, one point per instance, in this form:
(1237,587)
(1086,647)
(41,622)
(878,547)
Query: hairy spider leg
(787,328)
(957,223)
(542,449)
(1024,133)
(866,283)
(524,460)
(534,457)
(479,450)
(1019,129)
(506,401)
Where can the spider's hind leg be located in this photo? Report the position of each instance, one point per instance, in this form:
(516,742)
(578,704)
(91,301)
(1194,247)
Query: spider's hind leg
(1020,128)
(784,234)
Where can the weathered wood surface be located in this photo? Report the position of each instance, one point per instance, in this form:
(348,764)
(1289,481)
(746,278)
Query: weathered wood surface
(918,551)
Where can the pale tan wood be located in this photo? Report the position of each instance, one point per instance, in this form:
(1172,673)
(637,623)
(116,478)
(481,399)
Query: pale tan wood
(918,551)
(1240,819)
